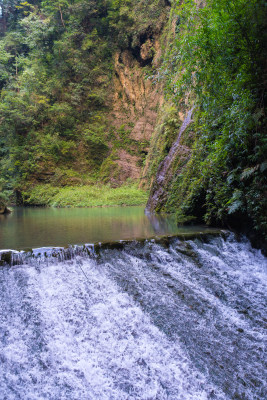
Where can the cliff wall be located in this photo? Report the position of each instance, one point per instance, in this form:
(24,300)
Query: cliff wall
(134,104)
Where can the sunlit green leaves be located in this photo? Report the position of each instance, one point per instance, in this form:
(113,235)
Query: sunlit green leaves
(216,60)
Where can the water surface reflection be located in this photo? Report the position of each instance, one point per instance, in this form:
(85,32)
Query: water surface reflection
(37,227)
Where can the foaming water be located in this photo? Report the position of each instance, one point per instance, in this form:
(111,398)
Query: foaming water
(147,322)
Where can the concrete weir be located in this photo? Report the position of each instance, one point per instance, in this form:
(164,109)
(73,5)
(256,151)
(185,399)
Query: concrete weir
(15,257)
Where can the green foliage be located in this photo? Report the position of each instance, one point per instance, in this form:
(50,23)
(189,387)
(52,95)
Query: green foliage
(56,69)
(129,19)
(218,61)
(3,200)
(85,196)
(109,168)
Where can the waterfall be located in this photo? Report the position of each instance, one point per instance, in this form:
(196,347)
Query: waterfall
(174,319)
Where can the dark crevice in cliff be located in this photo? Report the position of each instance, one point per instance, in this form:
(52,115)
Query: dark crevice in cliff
(167,3)
(143,63)
(146,36)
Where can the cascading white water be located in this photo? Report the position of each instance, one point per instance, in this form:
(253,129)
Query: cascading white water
(147,322)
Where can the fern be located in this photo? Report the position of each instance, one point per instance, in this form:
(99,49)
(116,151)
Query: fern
(248,172)
(235,203)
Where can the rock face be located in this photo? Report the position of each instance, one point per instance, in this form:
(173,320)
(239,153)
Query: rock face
(136,99)
(135,102)
(164,174)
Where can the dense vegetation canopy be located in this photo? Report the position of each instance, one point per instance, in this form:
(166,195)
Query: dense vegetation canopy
(218,63)
(56,60)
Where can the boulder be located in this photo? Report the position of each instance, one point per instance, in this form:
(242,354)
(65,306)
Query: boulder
(3,208)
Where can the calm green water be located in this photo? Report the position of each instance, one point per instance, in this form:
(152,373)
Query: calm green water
(38,227)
